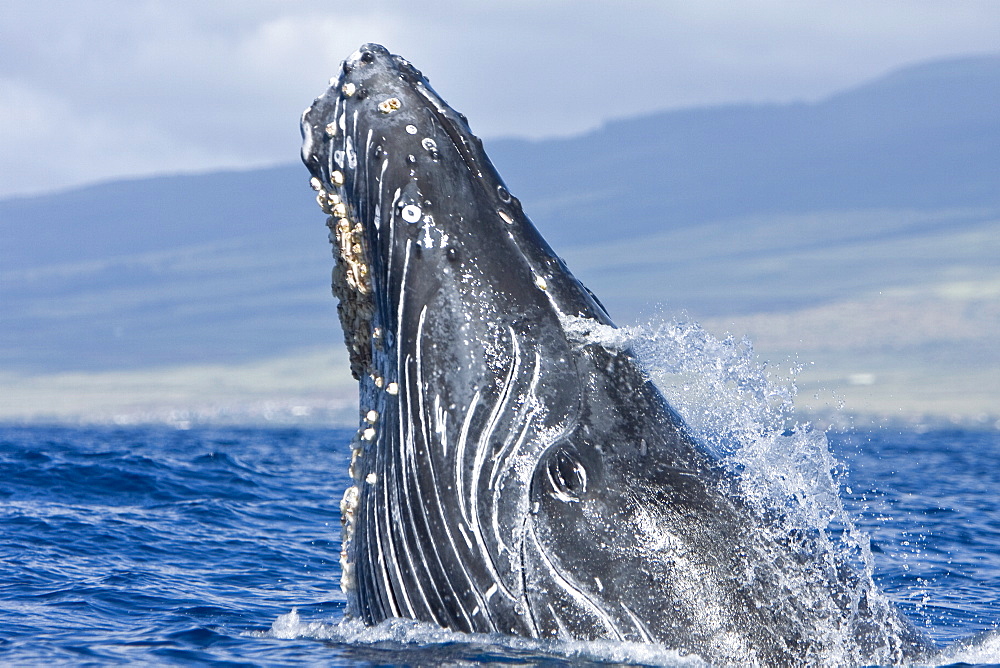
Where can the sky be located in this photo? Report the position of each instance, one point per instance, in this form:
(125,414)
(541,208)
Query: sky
(92,90)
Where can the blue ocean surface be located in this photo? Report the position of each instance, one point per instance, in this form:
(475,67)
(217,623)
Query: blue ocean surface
(220,546)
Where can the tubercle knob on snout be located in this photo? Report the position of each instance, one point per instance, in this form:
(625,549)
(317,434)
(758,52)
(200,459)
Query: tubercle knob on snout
(368,52)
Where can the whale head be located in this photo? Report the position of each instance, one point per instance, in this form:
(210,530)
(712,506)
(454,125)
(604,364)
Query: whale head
(514,471)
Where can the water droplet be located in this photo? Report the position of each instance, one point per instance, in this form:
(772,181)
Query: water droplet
(411,129)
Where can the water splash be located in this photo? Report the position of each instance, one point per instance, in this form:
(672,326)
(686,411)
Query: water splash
(742,410)
(739,408)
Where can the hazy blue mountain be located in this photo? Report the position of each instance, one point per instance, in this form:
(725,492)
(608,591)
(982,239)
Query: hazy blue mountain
(925,137)
(133,217)
(735,209)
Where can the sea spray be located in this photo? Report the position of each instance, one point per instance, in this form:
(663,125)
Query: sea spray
(743,411)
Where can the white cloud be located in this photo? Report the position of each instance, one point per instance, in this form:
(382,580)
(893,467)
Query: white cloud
(100,89)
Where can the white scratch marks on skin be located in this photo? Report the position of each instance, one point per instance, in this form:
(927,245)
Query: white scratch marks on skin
(381,550)
(576,594)
(396,501)
(502,460)
(465,535)
(421,389)
(460,455)
(482,448)
(392,233)
(407,505)
(402,291)
(428,461)
(510,461)
(352,156)
(507,458)
(640,627)
(441,425)
(562,631)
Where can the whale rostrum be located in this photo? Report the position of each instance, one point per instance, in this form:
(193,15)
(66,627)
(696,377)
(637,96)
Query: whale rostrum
(511,473)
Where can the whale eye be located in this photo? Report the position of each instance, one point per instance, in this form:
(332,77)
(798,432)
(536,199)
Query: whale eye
(567,476)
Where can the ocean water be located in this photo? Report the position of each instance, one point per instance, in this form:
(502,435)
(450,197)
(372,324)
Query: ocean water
(219,546)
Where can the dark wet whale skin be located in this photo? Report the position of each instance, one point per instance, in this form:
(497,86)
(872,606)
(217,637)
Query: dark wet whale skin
(512,473)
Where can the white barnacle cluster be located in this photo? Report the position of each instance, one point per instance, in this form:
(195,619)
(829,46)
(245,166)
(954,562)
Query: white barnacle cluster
(348,510)
(349,504)
(347,236)
(351,277)
(349,240)
(390,105)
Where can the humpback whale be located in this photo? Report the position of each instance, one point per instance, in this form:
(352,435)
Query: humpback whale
(511,473)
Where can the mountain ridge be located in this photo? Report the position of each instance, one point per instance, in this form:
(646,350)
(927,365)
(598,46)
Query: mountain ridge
(728,213)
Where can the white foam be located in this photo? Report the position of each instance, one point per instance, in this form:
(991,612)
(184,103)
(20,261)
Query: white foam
(406,634)
(982,649)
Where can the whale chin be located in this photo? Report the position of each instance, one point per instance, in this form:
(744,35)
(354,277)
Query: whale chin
(511,473)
